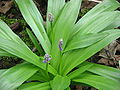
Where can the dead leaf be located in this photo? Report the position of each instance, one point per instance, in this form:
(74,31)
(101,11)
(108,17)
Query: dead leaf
(78,87)
(5,6)
(106,62)
(109,51)
(87,4)
(15,26)
(93,89)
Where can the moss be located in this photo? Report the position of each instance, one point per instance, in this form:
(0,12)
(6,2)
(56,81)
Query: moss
(26,39)
(7,62)
(9,21)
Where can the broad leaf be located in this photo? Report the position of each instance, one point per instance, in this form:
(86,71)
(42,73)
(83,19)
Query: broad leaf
(34,19)
(84,40)
(4,53)
(106,5)
(104,71)
(60,83)
(68,88)
(2,71)
(23,52)
(35,42)
(70,11)
(54,8)
(98,82)
(41,76)
(98,23)
(63,27)
(80,70)
(15,76)
(27,84)
(36,86)
(79,56)
(7,33)
(115,24)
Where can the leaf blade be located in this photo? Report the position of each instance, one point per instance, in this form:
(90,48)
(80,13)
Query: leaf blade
(35,42)
(70,10)
(98,82)
(84,41)
(68,64)
(105,71)
(15,76)
(60,83)
(31,13)
(106,5)
(54,8)
(41,86)
(23,52)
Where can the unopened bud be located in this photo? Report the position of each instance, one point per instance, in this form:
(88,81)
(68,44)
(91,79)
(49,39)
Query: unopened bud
(60,44)
(50,17)
(47,58)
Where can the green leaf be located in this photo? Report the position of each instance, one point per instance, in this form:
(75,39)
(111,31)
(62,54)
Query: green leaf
(80,55)
(84,41)
(106,5)
(60,83)
(23,52)
(63,27)
(54,8)
(35,42)
(7,33)
(70,11)
(115,24)
(98,82)
(4,53)
(80,70)
(98,23)
(108,72)
(68,88)
(34,19)
(2,71)
(36,86)
(15,76)
(41,76)
(27,84)
(12,44)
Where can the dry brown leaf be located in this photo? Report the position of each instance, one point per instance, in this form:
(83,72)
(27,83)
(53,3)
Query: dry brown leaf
(108,54)
(87,4)
(78,87)
(109,51)
(93,89)
(106,62)
(5,6)
(15,26)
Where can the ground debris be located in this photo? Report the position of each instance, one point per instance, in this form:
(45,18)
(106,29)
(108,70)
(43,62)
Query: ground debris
(109,56)
(5,6)
(15,26)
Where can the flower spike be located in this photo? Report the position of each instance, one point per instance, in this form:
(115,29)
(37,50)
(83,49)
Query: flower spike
(50,17)
(60,44)
(47,58)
